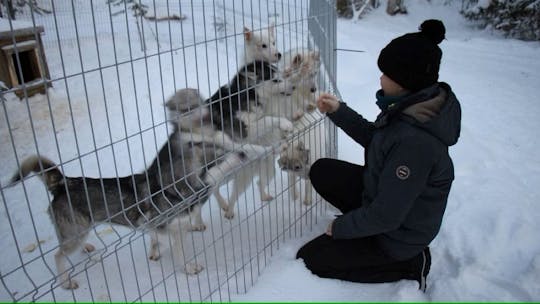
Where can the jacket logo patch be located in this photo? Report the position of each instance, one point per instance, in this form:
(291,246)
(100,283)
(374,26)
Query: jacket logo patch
(403,172)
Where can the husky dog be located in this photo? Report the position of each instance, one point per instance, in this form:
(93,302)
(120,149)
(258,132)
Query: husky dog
(302,67)
(163,198)
(299,68)
(205,129)
(260,129)
(295,160)
(237,111)
(236,107)
(261,45)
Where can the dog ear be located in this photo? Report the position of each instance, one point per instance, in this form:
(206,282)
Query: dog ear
(171,104)
(272,29)
(316,55)
(247,34)
(297,60)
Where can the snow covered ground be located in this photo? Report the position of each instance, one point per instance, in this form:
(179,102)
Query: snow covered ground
(487,249)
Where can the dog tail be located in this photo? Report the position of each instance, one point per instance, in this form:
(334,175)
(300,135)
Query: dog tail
(47,170)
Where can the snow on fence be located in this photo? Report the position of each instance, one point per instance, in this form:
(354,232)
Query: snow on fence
(112,65)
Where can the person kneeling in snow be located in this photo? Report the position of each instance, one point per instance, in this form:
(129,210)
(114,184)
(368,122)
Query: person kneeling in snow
(393,206)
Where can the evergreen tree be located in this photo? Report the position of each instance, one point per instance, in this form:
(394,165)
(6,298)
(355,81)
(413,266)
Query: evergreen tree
(516,18)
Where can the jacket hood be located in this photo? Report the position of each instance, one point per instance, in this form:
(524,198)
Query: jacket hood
(438,113)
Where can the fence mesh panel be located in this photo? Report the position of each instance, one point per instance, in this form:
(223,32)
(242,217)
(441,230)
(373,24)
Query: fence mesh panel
(85,86)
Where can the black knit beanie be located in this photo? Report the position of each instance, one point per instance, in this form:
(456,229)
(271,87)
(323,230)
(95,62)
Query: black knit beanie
(413,59)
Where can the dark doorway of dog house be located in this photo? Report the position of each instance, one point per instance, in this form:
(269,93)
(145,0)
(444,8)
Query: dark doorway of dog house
(23,67)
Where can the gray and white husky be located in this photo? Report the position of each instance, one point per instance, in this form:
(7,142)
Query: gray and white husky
(295,159)
(166,197)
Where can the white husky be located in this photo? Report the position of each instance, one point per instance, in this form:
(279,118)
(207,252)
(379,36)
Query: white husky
(261,45)
(300,67)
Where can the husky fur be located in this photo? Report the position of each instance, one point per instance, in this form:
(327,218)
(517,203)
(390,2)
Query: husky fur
(296,161)
(207,128)
(300,69)
(261,45)
(163,198)
(261,129)
(238,111)
(302,66)
(239,96)
(236,108)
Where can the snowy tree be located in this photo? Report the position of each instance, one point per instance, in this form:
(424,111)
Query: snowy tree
(354,9)
(10,8)
(516,18)
(394,7)
(6,8)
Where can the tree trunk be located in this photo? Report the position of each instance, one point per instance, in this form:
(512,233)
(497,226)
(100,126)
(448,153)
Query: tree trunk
(395,7)
(10,9)
(344,8)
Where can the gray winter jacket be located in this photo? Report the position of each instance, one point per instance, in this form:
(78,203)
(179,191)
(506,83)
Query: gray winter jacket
(408,171)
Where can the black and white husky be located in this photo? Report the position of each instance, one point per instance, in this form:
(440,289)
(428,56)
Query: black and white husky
(236,111)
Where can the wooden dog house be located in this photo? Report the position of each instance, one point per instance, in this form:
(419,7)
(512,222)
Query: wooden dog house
(23,66)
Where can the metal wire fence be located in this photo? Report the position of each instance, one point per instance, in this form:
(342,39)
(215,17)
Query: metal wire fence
(86,86)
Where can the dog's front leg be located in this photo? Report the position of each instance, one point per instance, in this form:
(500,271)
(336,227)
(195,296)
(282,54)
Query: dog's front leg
(178,234)
(309,101)
(292,185)
(60,259)
(154,247)
(217,174)
(285,125)
(195,219)
(265,124)
(266,174)
(241,182)
(308,198)
(297,114)
(222,201)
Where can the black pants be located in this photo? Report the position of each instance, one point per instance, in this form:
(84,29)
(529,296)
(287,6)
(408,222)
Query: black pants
(357,260)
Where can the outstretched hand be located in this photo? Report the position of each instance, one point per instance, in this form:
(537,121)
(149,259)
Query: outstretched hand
(327,103)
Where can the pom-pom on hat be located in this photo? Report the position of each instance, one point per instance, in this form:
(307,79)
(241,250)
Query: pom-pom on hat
(413,59)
